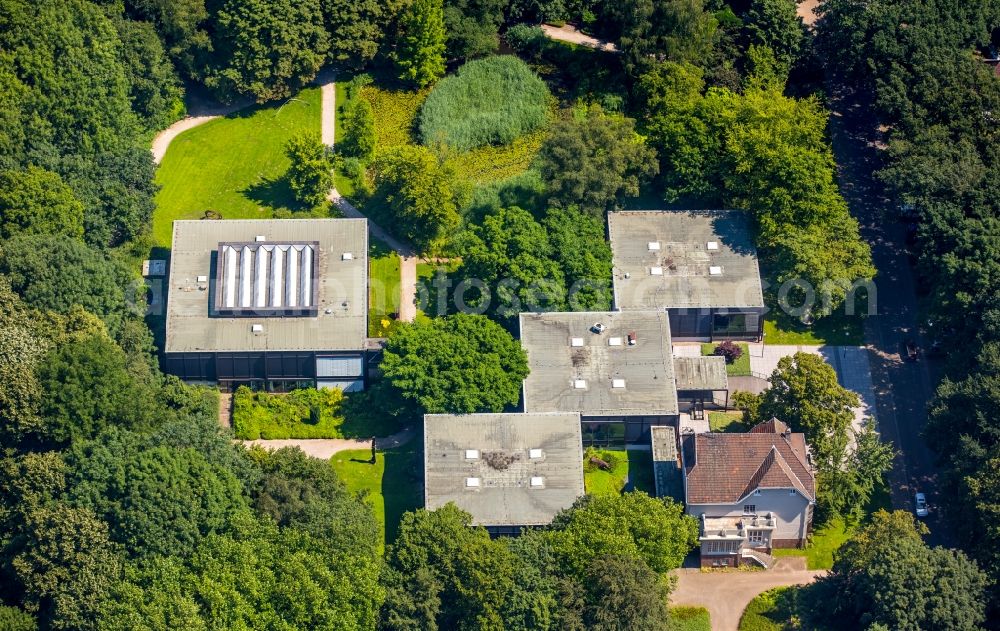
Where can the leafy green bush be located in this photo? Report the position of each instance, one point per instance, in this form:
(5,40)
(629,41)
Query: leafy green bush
(690,619)
(488,102)
(305,413)
(609,457)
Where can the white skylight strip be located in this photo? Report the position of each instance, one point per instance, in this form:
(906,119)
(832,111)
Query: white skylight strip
(260,278)
(230,267)
(293,277)
(307,279)
(278,276)
(246,277)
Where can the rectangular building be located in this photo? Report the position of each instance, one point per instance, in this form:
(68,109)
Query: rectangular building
(613,368)
(275,303)
(509,471)
(701,266)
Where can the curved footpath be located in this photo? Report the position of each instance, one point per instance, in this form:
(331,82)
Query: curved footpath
(325,448)
(727,594)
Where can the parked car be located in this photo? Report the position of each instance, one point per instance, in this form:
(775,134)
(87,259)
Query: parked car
(920,505)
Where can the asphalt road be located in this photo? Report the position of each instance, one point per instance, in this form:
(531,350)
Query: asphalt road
(903,388)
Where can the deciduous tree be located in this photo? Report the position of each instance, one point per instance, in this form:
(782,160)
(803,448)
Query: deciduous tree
(311,175)
(36,201)
(420,55)
(456,364)
(593,160)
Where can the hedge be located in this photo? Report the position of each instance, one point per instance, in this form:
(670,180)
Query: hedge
(490,101)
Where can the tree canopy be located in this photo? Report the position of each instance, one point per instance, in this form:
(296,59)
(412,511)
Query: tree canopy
(422,43)
(456,364)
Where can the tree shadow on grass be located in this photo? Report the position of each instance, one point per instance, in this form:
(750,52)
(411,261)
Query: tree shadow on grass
(402,484)
(273,193)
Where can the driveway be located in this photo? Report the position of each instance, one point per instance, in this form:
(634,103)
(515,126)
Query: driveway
(850,362)
(727,594)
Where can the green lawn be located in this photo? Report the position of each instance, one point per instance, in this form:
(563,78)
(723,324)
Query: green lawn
(774,610)
(825,540)
(728,422)
(383,289)
(740,367)
(633,465)
(392,485)
(690,619)
(828,538)
(428,297)
(233,165)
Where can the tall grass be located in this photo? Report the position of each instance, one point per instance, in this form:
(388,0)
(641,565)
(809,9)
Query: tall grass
(490,101)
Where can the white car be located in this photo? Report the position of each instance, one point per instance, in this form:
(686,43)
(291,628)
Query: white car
(920,504)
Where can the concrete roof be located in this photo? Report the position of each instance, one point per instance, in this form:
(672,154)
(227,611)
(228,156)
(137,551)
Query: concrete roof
(701,373)
(563,349)
(191,328)
(663,260)
(503,465)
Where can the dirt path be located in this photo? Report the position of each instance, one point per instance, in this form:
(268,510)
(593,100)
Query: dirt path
(325,448)
(806,9)
(225,409)
(328,115)
(408,288)
(569,33)
(727,594)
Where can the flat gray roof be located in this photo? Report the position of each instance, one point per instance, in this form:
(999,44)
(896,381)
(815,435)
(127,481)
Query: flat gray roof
(574,369)
(669,259)
(701,373)
(525,467)
(341,321)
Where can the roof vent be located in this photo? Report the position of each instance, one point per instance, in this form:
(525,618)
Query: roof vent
(614,341)
(656,271)
(259,238)
(617,383)
(713,245)
(632,338)
(534,453)
(715,270)
(472,483)
(576,341)
(537,481)
(346,256)
(472,454)
(579,384)
(653,246)
(257,328)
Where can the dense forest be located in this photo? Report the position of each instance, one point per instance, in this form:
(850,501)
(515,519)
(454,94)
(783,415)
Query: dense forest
(123,505)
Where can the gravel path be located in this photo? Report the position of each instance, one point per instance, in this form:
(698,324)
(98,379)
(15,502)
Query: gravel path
(408,288)
(727,594)
(328,115)
(324,448)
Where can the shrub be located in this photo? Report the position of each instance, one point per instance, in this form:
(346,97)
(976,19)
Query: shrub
(488,102)
(305,413)
(730,350)
(358,124)
(526,39)
(609,457)
(310,177)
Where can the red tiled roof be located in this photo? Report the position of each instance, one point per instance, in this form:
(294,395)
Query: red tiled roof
(725,468)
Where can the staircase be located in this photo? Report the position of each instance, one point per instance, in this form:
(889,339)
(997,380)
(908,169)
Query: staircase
(764,559)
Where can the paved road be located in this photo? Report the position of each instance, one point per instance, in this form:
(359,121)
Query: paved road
(727,594)
(902,388)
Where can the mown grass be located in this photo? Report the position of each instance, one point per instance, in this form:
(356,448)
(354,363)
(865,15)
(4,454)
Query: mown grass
(690,619)
(490,101)
(774,610)
(233,165)
(827,538)
(383,289)
(632,468)
(740,367)
(391,485)
(727,422)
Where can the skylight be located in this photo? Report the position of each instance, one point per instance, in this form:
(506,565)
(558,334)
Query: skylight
(656,271)
(617,383)
(715,270)
(653,246)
